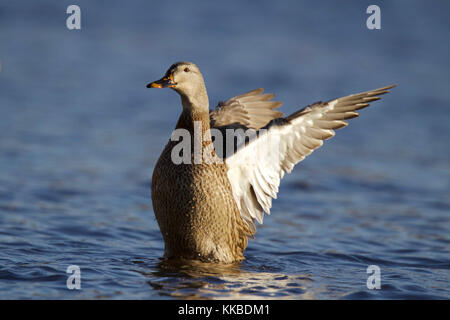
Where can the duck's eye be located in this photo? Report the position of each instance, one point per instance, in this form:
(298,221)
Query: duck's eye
(186,70)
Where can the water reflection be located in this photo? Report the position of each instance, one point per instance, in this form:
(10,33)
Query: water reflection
(185,279)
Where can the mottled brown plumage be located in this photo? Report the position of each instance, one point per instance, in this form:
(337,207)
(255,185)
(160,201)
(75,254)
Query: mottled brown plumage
(194,205)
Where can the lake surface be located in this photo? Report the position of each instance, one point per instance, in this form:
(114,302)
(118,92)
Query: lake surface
(80,135)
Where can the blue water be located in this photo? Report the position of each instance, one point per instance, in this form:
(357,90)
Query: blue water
(80,135)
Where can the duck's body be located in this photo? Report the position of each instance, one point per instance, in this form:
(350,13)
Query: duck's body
(207,210)
(194,205)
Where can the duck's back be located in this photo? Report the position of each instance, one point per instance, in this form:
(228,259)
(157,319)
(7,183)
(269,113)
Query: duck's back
(195,210)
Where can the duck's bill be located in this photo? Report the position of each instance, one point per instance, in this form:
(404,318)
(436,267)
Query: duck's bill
(166,82)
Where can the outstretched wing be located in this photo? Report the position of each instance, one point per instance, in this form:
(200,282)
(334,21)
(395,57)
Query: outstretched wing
(252,109)
(256,169)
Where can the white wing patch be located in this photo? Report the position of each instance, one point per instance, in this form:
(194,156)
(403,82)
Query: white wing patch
(255,170)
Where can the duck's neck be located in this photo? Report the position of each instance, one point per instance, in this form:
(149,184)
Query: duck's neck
(195,119)
(195,112)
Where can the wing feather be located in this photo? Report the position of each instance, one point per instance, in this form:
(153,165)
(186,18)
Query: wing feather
(252,109)
(256,169)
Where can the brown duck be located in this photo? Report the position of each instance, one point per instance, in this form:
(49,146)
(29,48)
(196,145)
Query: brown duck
(206,205)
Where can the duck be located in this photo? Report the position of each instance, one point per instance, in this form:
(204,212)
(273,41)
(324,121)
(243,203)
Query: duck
(207,207)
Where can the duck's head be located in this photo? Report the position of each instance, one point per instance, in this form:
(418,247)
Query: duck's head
(183,77)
